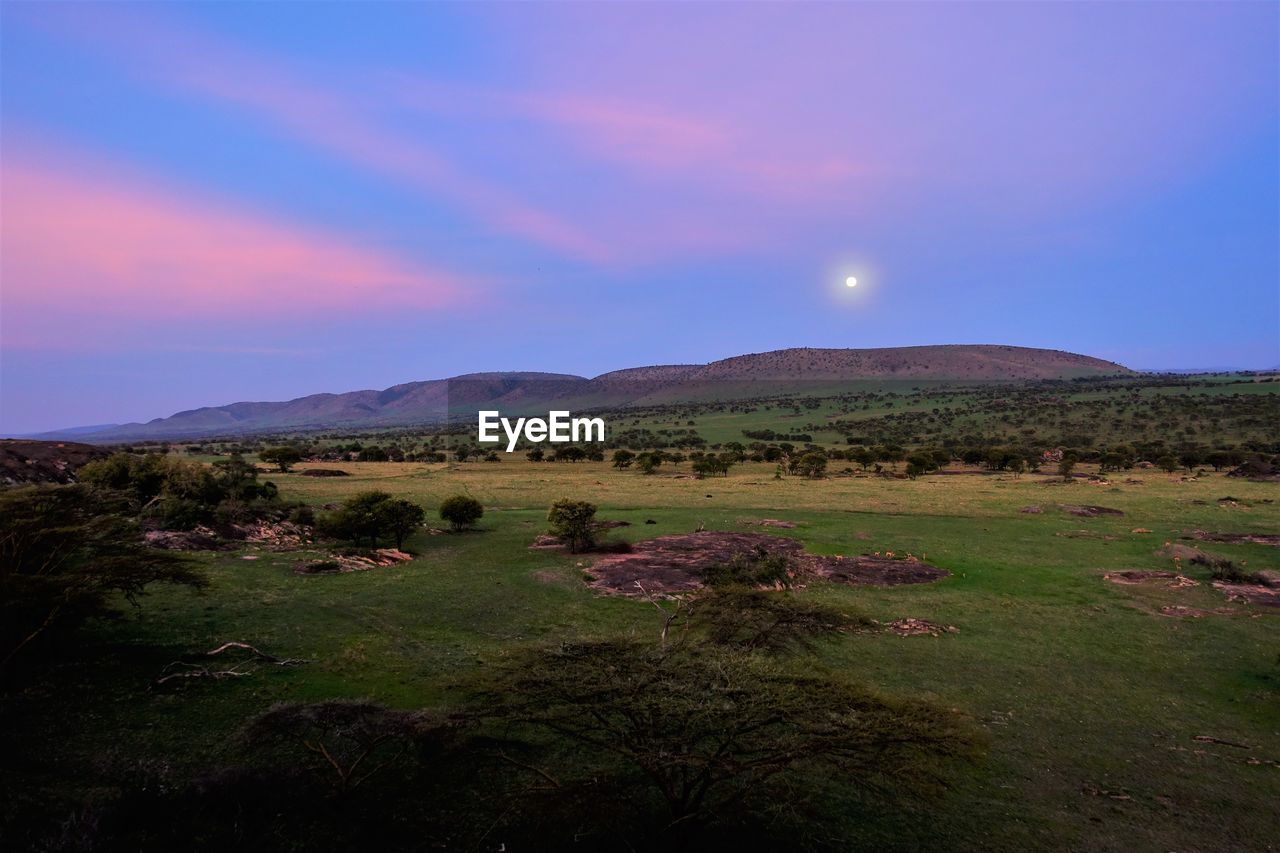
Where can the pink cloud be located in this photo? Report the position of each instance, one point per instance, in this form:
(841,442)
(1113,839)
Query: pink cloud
(76,240)
(322,117)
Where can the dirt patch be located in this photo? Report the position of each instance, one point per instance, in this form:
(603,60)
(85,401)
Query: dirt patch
(1238,538)
(1031,510)
(675,564)
(1131,577)
(875,570)
(912,627)
(343,563)
(1140,530)
(770,522)
(1088,511)
(1258,471)
(325,472)
(1250,593)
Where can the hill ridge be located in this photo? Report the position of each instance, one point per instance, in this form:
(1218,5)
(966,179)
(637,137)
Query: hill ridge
(435,400)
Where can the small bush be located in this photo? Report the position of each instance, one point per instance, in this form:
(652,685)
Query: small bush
(1222,569)
(461,511)
(303,515)
(760,568)
(573,522)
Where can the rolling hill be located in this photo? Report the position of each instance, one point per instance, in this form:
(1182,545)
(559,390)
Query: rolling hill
(433,401)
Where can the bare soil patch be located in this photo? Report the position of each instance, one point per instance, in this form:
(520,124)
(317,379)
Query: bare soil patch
(1250,593)
(325,472)
(1131,577)
(675,564)
(1088,510)
(1238,538)
(770,522)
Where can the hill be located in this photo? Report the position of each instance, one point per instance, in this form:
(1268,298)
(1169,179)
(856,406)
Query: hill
(434,401)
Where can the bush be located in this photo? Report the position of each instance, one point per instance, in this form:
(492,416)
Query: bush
(760,568)
(461,511)
(1222,569)
(303,515)
(573,522)
(371,515)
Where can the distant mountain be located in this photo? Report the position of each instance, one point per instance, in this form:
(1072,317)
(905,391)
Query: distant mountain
(434,401)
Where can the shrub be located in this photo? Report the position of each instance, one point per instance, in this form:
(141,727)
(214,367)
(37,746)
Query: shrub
(760,568)
(1222,569)
(461,511)
(573,522)
(303,515)
(371,515)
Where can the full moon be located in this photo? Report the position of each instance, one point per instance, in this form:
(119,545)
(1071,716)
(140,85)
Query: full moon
(851,282)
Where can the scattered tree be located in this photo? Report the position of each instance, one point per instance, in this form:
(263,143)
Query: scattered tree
(461,511)
(573,522)
(282,457)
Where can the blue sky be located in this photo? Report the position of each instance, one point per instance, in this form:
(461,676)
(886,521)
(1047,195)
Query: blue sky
(206,203)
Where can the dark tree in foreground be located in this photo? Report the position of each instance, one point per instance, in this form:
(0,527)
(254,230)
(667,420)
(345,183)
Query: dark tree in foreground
(461,511)
(573,522)
(694,735)
(771,621)
(344,741)
(65,552)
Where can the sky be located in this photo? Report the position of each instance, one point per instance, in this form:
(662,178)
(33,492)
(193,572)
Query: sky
(206,203)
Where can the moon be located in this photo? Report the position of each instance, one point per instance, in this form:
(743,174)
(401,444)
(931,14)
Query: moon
(851,281)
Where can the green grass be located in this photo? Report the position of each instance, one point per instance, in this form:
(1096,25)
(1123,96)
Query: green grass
(1081,684)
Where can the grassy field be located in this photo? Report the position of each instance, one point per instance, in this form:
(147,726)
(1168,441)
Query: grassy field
(1091,697)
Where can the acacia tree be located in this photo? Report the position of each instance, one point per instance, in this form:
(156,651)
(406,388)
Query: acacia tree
(344,741)
(282,457)
(688,734)
(64,552)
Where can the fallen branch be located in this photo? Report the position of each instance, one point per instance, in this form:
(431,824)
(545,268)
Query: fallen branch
(1212,739)
(196,672)
(257,654)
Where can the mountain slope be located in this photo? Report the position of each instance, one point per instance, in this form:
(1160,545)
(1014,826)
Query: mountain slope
(433,401)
